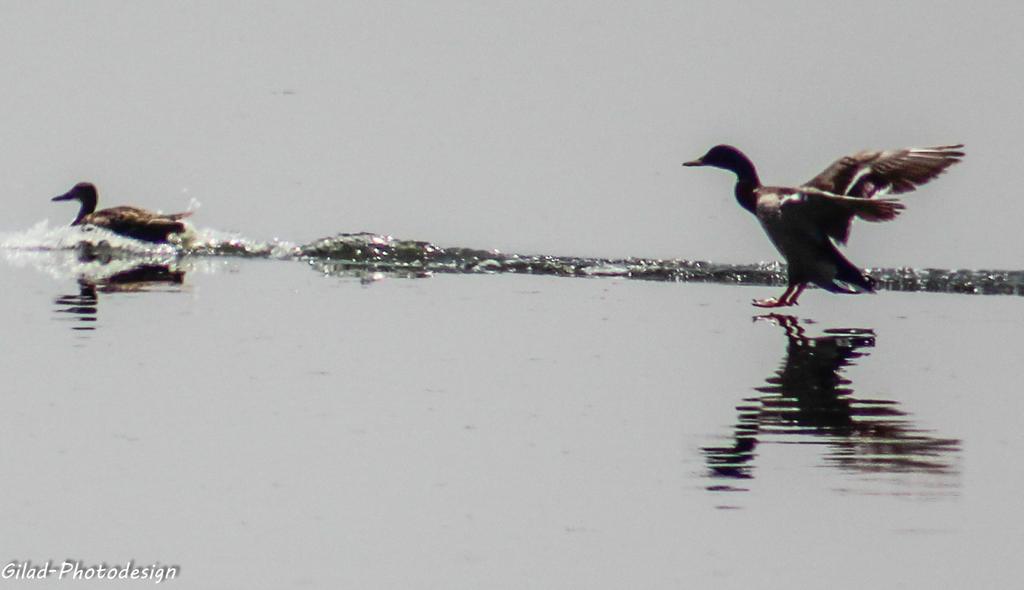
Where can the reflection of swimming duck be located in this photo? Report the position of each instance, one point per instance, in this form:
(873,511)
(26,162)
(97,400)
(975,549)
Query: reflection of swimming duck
(127,221)
(84,306)
(803,221)
(141,278)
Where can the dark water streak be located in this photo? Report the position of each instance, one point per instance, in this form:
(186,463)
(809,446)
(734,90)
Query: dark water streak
(346,254)
(362,254)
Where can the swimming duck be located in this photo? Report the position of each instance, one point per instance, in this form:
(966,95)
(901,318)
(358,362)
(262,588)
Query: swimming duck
(127,221)
(805,222)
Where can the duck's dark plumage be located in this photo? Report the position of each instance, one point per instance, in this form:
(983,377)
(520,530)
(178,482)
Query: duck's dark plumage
(127,221)
(804,221)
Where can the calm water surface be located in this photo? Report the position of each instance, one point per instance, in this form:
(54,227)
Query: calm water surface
(264,425)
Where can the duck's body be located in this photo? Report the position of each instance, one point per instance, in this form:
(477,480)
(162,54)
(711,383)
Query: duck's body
(132,222)
(805,222)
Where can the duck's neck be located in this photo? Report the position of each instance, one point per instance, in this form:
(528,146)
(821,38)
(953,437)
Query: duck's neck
(746,195)
(747,183)
(88,207)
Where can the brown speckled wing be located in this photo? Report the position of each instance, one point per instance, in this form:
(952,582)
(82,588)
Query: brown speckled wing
(137,223)
(872,173)
(868,173)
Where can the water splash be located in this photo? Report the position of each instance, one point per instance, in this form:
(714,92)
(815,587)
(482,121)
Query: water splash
(212,242)
(367,255)
(42,237)
(109,245)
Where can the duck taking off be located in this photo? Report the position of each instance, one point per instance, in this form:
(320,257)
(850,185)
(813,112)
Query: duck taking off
(806,222)
(127,221)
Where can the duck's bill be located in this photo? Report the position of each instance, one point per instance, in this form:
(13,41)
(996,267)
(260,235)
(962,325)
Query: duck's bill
(697,162)
(64,197)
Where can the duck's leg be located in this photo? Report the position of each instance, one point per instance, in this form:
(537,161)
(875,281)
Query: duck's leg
(792,298)
(782,301)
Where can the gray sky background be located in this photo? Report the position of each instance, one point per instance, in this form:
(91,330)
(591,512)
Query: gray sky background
(527,126)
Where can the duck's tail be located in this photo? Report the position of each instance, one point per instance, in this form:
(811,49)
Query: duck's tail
(878,209)
(848,278)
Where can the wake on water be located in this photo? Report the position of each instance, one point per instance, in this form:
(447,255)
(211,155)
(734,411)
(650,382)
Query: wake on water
(94,254)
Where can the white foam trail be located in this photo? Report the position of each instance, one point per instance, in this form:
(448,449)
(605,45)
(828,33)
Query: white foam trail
(43,237)
(200,241)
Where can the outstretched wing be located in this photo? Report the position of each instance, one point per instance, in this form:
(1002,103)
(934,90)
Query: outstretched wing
(871,173)
(820,207)
(817,212)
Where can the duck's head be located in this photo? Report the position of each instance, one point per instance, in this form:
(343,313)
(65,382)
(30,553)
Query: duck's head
(728,158)
(720,156)
(83,191)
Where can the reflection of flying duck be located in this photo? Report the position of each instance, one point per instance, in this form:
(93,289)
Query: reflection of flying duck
(803,221)
(809,398)
(127,221)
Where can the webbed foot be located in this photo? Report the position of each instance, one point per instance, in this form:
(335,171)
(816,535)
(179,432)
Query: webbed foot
(772,302)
